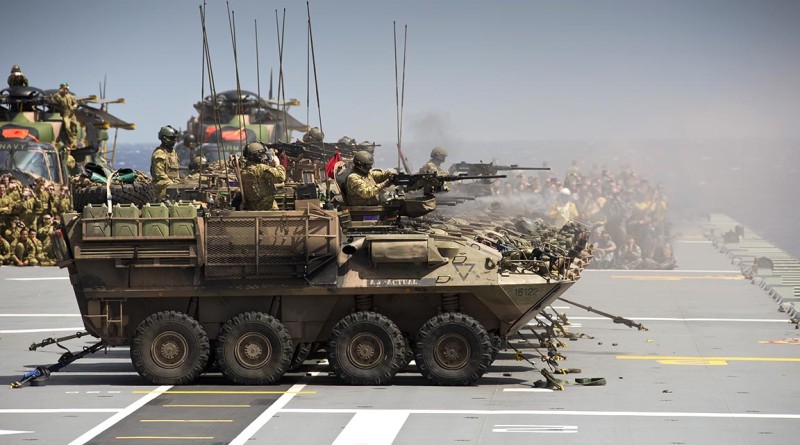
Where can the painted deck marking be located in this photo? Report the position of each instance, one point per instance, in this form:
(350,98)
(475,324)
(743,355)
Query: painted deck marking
(9,432)
(527,390)
(37,279)
(562,413)
(713,359)
(205,406)
(92,433)
(733,320)
(164,437)
(374,427)
(225,392)
(270,412)
(40,315)
(30,331)
(676,278)
(186,420)
(535,429)
(58,410)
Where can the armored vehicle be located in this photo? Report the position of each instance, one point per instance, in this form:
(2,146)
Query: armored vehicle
(255,291)
(30,131)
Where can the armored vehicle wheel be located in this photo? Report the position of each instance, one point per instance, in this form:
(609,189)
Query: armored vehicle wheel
(300,355)
(366,348)
(453,349)
(169,348)
(254,348)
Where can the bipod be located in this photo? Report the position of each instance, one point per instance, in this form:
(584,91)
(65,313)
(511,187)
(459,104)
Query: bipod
(65,359)
(615,318)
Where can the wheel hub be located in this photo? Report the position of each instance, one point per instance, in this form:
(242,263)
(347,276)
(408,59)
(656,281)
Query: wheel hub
(253,350)
(169,349)
(452,351)
(365,350)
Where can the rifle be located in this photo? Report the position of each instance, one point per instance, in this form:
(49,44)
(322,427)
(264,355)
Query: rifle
(432,182)
(480,168)
(316,151)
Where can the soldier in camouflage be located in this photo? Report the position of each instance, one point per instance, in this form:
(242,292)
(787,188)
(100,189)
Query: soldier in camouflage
(16,78)
(263,171)
(438,156)
(66,105)
(5,252)
(364,184)
(24,251)
(164,164)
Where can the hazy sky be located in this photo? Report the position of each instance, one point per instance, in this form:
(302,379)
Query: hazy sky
(476,70)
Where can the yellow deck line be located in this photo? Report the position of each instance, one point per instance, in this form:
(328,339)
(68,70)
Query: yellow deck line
(728,359)
(223,392)
(206,406)
(189,420)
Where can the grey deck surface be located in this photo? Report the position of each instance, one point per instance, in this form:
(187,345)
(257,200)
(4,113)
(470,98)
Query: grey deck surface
(719,365)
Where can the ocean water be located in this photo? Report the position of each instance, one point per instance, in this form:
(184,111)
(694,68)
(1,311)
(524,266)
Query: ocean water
(753,181)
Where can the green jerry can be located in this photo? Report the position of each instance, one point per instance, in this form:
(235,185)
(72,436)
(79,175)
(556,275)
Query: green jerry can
(155,220)
(181,219)
(124,220)
(102,226)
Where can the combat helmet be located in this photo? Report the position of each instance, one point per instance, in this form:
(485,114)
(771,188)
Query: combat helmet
(189,140)
(257,152)
(168,135)
(314,135)
(439,154)
(198,163)
(362,161)
(16,69)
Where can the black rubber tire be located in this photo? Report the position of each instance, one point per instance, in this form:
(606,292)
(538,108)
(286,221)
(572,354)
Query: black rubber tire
(301,353)
(139,193)
(376,339)
(261,335)
(461,337)
(169,348)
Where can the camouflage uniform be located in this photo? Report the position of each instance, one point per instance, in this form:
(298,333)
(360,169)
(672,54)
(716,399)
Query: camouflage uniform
(22,252)
(66,104)
(258,186)
(164,168)
(364,190)
(5,252)
(17,80)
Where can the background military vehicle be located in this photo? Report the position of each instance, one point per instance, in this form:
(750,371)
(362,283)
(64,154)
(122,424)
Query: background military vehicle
(256,291)
(30,131)
(228,121)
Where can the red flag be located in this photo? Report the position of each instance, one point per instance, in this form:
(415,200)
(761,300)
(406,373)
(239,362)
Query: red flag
(331,165)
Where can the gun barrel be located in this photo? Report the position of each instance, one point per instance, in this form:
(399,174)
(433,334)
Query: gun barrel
(517,167)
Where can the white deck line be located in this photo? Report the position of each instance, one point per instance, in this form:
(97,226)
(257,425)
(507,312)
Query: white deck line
(92,433)
(723,320)
(273,409)
(58,410)
(777,416)
(40,315)
(373,427)
(37,279)
(29,331)
(673,271)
